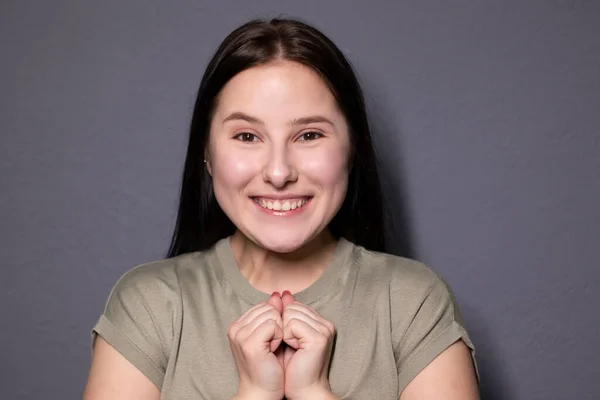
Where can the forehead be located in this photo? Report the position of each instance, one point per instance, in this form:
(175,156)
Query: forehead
(278,90)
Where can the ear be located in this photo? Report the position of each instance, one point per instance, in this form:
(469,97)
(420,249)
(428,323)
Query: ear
(208,165)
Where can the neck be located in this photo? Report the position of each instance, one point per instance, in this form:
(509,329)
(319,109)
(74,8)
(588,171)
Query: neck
(270,271)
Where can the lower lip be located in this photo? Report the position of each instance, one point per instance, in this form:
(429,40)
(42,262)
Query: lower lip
(282,213)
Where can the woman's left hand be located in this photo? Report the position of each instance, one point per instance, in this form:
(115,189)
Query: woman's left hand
(306,361)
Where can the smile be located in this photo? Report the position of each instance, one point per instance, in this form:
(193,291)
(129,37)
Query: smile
(281,204)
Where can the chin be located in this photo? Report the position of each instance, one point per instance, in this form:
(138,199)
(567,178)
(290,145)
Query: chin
(281,243)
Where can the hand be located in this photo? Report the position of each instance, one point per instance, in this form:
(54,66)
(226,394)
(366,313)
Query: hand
(309,339)
(285,352)
(253,339)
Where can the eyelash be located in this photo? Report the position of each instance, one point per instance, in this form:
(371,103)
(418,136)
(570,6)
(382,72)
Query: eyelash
(240,135)
(319,135)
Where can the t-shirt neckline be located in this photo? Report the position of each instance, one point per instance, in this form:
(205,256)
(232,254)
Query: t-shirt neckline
(324,287)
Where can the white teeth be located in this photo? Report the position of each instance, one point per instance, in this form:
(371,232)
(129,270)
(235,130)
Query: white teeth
(280,206)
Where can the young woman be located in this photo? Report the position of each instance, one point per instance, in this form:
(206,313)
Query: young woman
(276,285)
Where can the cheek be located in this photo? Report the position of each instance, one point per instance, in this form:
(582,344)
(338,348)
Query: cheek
(232,171)
(328,168)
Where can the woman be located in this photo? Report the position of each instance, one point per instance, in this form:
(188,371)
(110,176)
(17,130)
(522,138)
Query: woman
(280,195)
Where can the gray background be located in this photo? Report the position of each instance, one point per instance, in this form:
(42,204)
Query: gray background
(486,120)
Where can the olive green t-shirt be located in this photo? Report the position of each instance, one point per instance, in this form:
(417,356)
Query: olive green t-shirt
(392,315)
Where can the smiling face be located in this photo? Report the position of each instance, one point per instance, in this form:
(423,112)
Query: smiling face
(278,155)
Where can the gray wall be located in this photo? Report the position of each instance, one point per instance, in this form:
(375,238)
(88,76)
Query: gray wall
(487,122)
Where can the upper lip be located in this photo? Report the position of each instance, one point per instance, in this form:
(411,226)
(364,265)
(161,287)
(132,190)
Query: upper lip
(280,196)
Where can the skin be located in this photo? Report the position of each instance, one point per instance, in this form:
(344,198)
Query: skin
(278,134)
(265,142)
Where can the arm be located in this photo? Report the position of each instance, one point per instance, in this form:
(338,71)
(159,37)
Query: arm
(129,359)
(112,377)
(449,376)
(435,357)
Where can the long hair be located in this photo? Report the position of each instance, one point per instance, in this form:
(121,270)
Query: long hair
(200,220)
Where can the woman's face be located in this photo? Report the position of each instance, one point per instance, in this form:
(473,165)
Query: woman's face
(278,154)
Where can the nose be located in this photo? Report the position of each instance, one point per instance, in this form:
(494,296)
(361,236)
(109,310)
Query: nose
(280,169)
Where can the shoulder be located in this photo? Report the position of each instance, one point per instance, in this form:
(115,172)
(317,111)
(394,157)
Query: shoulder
(411,288)
(146,301)
(424,316)
(142,314)
(157,281)
(158,275)
(402,275)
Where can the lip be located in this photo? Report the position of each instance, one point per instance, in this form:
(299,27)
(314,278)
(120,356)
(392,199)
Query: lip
(282,213)
(281,196)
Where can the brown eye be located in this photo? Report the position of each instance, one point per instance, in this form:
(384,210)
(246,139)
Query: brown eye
(246,137)
(309,136)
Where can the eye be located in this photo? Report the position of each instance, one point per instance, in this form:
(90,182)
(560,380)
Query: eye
(309,136)
(246,137)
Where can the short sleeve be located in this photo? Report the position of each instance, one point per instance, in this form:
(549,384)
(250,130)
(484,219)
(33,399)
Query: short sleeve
(140,316)
(431,325)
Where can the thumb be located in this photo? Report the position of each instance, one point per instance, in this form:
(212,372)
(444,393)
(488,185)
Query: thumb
(287,299)
(265,335)
(275,301)
(276,339)
(288,337)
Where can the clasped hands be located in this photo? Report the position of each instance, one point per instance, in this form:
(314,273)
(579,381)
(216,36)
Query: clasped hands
(282,348)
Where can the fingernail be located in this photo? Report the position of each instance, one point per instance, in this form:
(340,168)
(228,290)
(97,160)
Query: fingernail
(286,292)
(276,294)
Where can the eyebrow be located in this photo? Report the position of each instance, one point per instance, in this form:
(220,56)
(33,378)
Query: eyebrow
(295,122)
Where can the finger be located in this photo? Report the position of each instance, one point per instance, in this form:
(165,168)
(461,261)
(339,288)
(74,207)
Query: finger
(239,323)
(255,313)
(306,306)
(278,337)
(269,314)
(291,341)
(287,299)
(275,301)
(312,313)
(288,335)
(277,340)
(259,341)
(235,328)
(317,325)
(303,334)
(248,311)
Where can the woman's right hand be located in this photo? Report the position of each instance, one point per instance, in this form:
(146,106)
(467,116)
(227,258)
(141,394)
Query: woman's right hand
(253,338)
